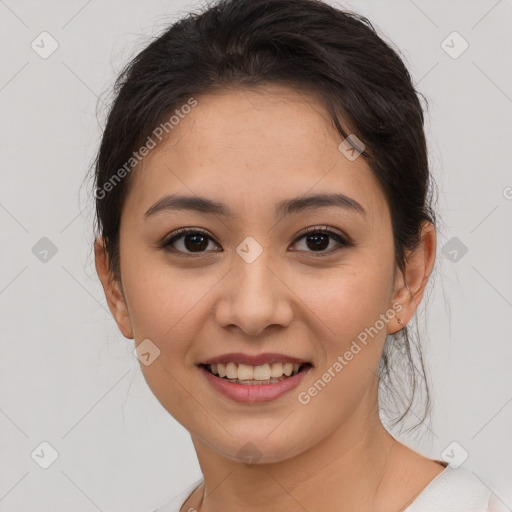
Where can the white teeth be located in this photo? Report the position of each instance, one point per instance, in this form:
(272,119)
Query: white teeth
(231,371)
(245,372)
(263,372)
(276,370)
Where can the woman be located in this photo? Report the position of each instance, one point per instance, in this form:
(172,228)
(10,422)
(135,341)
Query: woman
(266,234)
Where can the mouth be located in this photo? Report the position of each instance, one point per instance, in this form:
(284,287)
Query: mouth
(249,375)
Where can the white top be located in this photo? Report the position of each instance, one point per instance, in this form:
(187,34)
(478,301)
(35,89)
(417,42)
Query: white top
(452,490)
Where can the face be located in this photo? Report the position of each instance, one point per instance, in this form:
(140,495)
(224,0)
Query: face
(249,280)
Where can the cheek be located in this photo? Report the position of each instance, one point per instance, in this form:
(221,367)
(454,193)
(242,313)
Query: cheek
(351,300)
(348,308)
(348,312)
(167,306)
(155,293)
(164,307)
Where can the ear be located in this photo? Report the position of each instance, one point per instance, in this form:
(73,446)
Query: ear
(410,284)
(113,290)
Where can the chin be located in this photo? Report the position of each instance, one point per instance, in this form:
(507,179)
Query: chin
(260,449)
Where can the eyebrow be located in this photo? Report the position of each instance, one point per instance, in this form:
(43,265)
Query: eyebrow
(284,208)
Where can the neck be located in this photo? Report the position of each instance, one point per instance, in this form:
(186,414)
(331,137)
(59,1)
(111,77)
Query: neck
(347,466)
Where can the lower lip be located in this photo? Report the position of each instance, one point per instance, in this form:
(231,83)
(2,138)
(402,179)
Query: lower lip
(253,393)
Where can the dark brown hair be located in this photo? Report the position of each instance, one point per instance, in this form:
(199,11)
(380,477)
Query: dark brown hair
(334,55)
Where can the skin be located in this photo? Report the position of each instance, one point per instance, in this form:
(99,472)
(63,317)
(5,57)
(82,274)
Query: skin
(251,149)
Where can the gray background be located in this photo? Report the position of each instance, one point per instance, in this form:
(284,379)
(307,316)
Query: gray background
(68,377)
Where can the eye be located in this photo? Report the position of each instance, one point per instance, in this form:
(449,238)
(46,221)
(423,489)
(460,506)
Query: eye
(188,240)
(317,239)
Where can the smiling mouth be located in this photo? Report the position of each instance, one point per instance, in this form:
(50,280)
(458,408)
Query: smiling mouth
(255,375)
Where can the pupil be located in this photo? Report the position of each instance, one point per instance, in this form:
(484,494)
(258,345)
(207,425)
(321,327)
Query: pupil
(318,243)
(195,245)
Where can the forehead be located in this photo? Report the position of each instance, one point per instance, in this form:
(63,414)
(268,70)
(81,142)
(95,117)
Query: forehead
(254,145)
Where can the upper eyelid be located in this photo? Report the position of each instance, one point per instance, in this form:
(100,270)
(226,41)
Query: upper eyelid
(186,231)
(322,227)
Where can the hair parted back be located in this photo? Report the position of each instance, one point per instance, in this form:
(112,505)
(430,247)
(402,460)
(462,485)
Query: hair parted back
(329,53)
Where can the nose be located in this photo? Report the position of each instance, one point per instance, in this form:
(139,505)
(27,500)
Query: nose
(253,297)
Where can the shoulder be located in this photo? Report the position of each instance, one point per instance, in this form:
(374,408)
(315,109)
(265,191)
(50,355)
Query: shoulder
(456,490)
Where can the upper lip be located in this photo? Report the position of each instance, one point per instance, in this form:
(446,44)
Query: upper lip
(254,360)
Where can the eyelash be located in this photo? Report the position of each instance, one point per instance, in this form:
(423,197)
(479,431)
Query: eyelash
(316,230)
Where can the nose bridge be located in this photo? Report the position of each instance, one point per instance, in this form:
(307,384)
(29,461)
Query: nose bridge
(252,273)
(252,270)
(254,297)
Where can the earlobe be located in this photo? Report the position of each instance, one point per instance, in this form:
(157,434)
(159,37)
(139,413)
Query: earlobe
(410,284)
(112,289)
(402,304)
